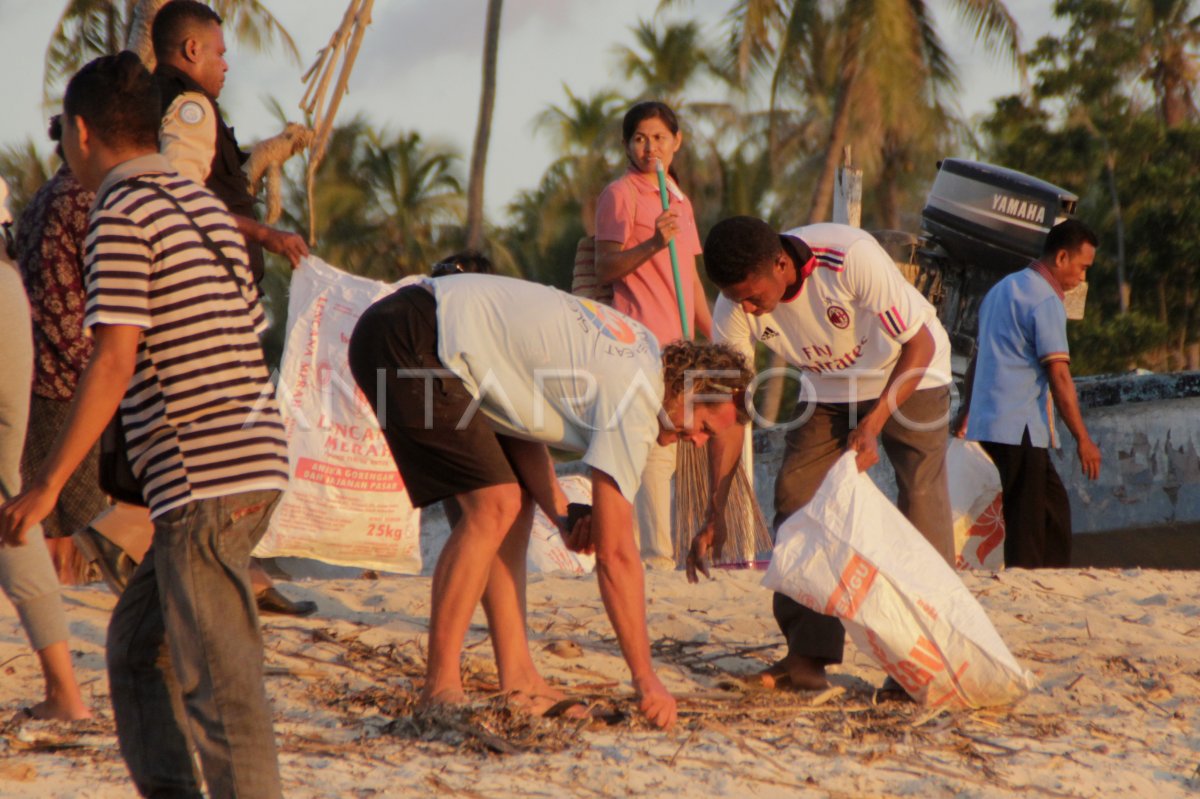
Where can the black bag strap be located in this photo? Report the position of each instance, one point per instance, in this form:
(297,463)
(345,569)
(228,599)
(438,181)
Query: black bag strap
(212,246)
(209,244)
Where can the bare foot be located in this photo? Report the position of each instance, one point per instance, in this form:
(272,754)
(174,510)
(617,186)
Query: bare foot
(794,672)
(444,698)
(50,710)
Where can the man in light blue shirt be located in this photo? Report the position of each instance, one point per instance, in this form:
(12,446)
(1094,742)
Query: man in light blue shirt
(1021,362)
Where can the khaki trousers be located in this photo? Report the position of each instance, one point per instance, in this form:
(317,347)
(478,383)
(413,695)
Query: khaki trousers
(915,442)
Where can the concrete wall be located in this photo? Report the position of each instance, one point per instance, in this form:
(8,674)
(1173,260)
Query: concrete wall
(1150,472)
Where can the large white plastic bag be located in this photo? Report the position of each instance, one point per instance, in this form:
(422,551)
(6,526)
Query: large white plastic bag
(345,502)
(976,504)
(547,550)
(850,553)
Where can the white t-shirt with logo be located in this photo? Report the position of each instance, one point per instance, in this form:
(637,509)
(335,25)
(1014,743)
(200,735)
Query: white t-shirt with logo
(845,326)
(550,367)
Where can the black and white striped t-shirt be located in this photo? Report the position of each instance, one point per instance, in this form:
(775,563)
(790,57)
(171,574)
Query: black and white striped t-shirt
(200,415)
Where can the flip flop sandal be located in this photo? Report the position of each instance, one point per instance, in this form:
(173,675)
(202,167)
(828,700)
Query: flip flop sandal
(114,563)
(892,691)
(271,601)
(562,709)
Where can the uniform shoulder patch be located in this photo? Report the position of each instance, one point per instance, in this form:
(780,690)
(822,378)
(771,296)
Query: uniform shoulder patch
(191,112)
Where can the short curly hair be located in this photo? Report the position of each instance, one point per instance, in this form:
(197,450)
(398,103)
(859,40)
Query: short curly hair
(706,369)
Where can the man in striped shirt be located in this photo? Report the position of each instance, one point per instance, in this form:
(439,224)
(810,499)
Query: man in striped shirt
(874,364)
(172,308)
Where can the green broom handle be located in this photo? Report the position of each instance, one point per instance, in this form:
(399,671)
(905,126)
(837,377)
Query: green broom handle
(666,204)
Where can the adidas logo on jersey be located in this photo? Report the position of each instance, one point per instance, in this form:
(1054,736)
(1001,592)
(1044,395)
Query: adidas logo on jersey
(768,333)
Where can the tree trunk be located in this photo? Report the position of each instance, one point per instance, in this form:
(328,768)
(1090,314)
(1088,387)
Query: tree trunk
(1175,349)
(139,30)
(1188,349)
(889,180)
(483,132)
(839,129)
(1123,291)
(822,197)
(847,194)
(1176,104)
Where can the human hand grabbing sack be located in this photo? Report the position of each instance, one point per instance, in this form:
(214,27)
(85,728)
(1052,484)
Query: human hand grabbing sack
(850,553)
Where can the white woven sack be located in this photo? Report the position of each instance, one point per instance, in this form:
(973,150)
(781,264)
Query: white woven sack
(975,503)
(345,503)
(547,550)
(850,553)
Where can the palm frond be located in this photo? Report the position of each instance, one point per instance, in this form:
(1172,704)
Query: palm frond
(995,27)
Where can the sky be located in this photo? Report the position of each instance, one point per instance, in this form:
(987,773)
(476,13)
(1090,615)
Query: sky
(420,69)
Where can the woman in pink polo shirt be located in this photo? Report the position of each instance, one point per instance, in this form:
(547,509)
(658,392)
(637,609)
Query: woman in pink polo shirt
(632,231)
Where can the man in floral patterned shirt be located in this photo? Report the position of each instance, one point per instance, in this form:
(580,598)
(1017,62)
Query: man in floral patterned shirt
(50,238)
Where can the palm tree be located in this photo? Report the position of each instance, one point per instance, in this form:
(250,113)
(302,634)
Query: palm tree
(904,128)
(483,131)
(848,62)
(545,229)
(854,51)
(420,199)
(743,162)
(389,206)
(1170,34)
(752,26)
(889,51)
(91,28)
(586,132)
(664,64)
(25,170)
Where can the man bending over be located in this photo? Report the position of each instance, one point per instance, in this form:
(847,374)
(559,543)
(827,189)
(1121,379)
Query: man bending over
(545,368)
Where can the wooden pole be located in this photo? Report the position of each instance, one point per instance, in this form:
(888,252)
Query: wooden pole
(847,193)
(343,46)
(361,21)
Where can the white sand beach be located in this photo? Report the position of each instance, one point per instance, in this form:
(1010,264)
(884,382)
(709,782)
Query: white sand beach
(1117,653)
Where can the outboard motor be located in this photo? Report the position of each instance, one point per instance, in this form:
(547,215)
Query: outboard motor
(981,222)
(993,217)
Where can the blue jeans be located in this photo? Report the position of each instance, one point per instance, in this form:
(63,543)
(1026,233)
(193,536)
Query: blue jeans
(185,656)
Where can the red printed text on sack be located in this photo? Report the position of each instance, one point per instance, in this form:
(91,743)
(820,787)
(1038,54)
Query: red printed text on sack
(852,588)
(915,671)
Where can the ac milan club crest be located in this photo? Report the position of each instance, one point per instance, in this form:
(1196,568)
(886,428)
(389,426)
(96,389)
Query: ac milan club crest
(837,317)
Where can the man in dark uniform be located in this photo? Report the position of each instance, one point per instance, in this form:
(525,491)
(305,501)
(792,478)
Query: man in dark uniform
(190,48)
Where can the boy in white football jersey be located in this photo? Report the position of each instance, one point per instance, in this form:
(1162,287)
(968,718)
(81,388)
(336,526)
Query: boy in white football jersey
(874,363)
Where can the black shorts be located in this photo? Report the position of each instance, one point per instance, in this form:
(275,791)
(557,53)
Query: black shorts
(421,414)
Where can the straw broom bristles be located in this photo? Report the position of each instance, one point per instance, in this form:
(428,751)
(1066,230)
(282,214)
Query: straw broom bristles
(748,533)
